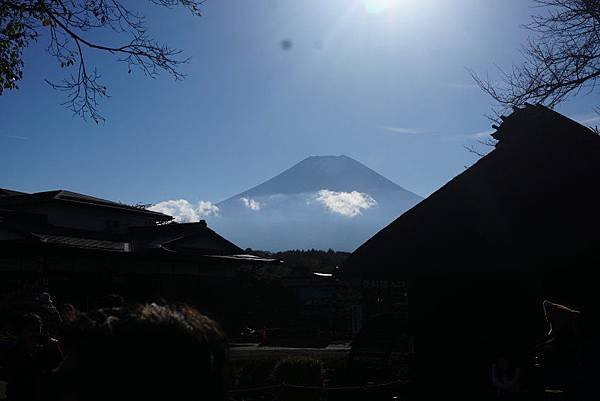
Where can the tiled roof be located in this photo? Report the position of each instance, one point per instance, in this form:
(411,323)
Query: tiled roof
(77,198)
(9,192)
(195,237)
(86,243)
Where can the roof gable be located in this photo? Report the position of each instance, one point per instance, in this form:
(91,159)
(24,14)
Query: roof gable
(531,200)
(196,237)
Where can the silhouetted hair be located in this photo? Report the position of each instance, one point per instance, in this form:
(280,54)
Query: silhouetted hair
(68,313)
(561,319)
(147,352)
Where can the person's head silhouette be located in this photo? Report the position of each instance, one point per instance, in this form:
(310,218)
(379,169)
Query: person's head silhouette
(147,352)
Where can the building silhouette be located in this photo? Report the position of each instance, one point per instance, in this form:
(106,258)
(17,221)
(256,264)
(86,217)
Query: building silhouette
(479,255)
(81,248)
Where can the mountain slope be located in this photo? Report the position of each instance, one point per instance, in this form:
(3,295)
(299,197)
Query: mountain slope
(321,202)
(335,173)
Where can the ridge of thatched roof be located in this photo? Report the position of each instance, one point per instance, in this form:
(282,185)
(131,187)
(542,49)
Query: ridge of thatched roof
(530,203)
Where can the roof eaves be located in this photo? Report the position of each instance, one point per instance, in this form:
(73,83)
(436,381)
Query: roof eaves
(74,197)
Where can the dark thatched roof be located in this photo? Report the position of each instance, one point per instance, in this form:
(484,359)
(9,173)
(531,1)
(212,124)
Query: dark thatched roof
(531,204)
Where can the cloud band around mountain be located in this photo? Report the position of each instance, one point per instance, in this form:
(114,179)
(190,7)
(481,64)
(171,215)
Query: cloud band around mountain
(349,204)
(251,204)
(185,212)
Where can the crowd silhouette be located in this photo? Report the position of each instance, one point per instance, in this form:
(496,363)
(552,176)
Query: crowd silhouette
(117,351)
(162,351)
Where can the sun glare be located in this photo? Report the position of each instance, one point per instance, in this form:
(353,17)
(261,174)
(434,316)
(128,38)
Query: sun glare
(377,6)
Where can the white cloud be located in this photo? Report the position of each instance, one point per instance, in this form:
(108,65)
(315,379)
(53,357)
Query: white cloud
(181,210)
(251,204)
(206,208)
(474,135)
(401,130)
(348,204)
(184,212)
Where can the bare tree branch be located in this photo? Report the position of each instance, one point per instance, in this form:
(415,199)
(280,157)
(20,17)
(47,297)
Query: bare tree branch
(486,143)
(561,59)
(68,22)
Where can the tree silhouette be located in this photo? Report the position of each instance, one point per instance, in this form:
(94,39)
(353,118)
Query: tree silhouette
(68,24)
(561,58)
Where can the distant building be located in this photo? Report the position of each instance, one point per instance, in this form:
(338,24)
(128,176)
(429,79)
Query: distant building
(80,248)
(480,254)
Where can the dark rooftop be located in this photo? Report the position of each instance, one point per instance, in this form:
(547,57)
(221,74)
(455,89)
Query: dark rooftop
(13,197)
(529,204)
(9,192)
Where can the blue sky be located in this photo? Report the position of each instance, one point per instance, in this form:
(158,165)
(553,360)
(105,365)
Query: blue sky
(388,88)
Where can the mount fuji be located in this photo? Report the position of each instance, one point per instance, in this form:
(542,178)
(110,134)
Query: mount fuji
(321,202)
